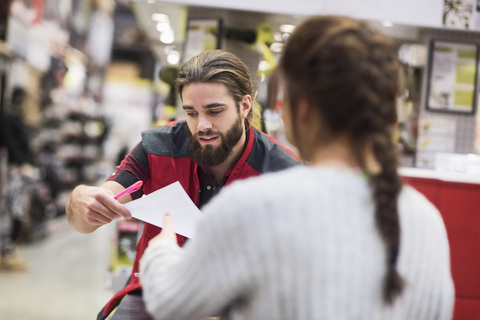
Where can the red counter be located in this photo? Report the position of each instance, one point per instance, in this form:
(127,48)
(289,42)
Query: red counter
(458,200)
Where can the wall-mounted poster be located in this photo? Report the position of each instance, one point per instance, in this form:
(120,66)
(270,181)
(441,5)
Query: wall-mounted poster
(452,79)
(459,13)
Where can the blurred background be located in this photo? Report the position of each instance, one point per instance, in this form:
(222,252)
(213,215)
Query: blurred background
(80,79)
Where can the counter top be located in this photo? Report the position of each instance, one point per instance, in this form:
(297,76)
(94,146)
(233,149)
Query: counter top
(444,176)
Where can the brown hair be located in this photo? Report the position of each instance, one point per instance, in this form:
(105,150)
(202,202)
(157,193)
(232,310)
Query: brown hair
(221,67)
(349,73)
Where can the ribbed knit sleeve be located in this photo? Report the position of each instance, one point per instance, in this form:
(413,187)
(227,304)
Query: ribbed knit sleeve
(425,261)
(203,278)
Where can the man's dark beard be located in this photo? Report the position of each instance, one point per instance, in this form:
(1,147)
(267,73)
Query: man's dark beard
(209,156)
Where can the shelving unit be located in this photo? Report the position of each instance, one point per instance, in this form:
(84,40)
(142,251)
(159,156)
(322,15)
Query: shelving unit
(64,110)
(5,58)
(69,145)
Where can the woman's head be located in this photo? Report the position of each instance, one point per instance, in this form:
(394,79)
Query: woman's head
(346,75)
(346,71)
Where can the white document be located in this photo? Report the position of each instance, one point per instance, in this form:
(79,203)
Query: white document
(172,199)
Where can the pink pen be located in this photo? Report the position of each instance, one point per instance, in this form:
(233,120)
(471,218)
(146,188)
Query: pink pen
(134,187)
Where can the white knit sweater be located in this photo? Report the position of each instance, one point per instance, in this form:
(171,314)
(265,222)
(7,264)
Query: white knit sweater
(300,244)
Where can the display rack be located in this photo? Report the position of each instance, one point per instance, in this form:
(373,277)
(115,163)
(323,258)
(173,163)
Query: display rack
(63,112)
(5,58)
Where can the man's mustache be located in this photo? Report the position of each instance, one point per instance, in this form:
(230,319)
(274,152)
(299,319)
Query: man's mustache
(207,133)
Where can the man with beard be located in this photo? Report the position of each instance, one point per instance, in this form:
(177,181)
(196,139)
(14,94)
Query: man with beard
(213,147)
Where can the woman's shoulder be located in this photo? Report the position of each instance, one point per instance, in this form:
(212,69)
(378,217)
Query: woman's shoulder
(415,208)
(409,196)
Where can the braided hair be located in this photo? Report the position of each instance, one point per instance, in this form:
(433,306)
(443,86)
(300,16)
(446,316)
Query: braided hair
(349,73)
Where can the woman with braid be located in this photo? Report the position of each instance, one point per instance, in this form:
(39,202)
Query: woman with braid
(338,238)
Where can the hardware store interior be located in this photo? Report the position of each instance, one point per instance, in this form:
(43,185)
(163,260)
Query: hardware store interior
(93,74)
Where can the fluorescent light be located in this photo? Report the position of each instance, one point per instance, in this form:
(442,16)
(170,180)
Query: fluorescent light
(173,57)
(387,24)
(167,37)
(277,36)
(285,36)
(263,65)
(276,47)
(160,17)
(163,26)
(287,28)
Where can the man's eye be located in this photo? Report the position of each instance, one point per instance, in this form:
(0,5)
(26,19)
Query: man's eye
(191,114)
(215,111)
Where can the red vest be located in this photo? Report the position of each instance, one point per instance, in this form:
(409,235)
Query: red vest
(171,161)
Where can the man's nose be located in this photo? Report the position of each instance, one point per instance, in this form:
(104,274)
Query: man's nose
(204,123)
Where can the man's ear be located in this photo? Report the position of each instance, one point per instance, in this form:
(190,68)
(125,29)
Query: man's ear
(245,106)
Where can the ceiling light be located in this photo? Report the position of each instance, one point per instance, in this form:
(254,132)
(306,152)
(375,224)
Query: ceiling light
(160,17)
(277,36)
(287,28)
(263,65)
(163,27)
(173,57)
(387,24)
(167,37)
(276,47)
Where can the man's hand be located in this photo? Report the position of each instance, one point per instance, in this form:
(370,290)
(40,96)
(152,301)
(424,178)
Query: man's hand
(91,207)
(167,232)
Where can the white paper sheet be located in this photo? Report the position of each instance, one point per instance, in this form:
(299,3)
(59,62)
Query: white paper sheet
(173,199)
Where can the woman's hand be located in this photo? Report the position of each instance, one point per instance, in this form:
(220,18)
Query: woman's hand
(167,232)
